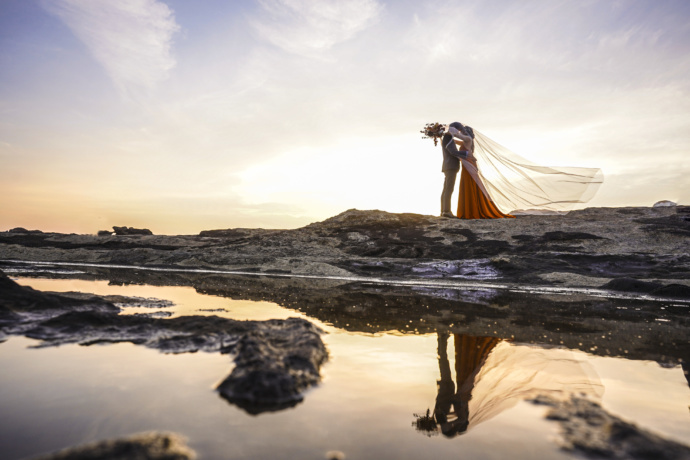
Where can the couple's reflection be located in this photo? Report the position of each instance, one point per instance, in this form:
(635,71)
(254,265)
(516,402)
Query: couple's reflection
(493,375)
(451,411)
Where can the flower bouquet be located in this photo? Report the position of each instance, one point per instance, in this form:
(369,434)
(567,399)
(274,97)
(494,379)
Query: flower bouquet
(433,131)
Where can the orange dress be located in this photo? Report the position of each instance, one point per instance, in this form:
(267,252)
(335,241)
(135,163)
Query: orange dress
(473,203)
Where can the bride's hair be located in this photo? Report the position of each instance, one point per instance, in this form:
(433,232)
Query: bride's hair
(469,131)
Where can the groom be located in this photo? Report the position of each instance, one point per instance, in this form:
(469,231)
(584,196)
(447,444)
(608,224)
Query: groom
(451,166)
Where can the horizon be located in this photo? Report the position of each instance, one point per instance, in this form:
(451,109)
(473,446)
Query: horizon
(182,117)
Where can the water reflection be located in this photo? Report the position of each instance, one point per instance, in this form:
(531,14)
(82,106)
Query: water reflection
(375,381)
(492,375)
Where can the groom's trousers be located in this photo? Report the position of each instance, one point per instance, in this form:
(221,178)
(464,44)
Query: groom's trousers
(448,187)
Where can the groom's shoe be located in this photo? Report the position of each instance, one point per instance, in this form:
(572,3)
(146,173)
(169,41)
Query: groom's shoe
(448,215)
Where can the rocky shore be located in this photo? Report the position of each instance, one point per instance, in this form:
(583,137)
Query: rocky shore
(626,273)
(636,250)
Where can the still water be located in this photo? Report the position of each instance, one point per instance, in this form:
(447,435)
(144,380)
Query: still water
(377,388)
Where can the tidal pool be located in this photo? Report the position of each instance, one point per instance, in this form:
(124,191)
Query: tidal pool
(398,383)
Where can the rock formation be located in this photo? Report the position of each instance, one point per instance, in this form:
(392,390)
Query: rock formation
(143,446)
(585,249)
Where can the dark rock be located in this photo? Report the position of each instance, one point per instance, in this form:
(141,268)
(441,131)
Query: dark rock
(588,429)
(232,233)
(23,299)
(632,285)
(568,236)
(678,291)
(144,446)
(268,375)
(104,233)
(132,231)
(23,230)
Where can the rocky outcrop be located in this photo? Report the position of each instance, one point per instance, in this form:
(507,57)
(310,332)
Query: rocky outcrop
(275,360)
(143,446)
(23,230)
(131,231)
(587,248)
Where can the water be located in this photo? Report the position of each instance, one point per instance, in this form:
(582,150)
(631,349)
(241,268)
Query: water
(393,355)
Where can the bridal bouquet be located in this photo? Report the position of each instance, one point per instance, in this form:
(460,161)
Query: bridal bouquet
(433,131)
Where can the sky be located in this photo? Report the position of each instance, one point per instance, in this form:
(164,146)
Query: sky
(183,116)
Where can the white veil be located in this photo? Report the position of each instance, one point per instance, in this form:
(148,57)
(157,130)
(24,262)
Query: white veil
(515,183)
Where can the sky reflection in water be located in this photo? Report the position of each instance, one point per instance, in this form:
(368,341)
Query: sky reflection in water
(373,385)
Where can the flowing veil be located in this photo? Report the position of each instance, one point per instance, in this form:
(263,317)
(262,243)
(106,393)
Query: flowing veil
(515,183)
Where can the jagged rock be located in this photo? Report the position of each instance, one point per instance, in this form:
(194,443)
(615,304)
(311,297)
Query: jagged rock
(104,233)
(131,231)
(270,376)
(143,446)
(588,429)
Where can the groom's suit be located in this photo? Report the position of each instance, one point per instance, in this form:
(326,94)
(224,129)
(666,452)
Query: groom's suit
(451,166)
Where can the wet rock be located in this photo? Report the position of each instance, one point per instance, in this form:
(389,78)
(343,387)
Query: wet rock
(275,360)
(679,291)
(23,301)
(269,375)
(131,231)
(631,285)
(590,430)
(143,446)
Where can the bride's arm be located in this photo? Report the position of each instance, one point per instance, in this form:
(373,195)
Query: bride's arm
(459,135)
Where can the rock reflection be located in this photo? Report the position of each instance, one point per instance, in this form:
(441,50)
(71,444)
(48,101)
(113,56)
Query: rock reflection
(493,375)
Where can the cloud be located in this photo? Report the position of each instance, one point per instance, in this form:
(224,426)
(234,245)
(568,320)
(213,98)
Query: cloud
(308,26)
(131,39)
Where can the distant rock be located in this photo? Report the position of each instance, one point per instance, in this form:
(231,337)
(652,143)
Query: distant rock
(664,204)
(104,233)
(131,231)
(23,230)
(143,446)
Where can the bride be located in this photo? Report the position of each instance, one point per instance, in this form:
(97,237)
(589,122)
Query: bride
(474,201)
